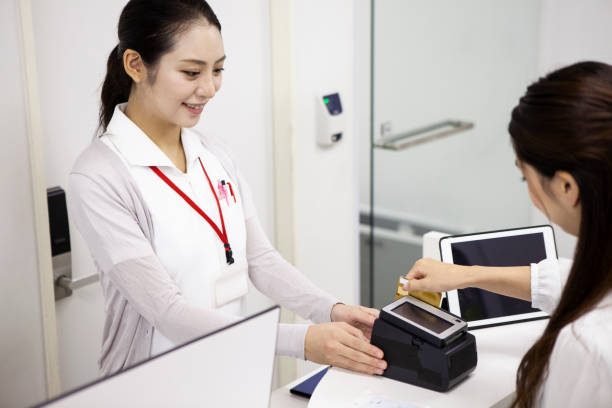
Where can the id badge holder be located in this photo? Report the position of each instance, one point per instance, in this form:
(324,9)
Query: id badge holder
(232,284)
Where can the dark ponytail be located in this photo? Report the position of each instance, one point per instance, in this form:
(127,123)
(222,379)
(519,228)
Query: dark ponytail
(116,86)
(149,27)
(564,122)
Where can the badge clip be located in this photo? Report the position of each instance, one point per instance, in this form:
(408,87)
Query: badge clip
(228,254)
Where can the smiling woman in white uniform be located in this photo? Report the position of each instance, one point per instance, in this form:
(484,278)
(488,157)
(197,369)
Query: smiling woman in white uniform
(561,131)
(169,219)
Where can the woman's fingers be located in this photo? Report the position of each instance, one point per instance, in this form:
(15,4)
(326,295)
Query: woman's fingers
(361,318)
(363,315)
(370,311)
(342,345)
(426,275)
(430,275)
(418,270)
(356,340)
(362,358)
(357,352)
(358,316)
(352,365)
(414,273)
(368,355)
(413,285)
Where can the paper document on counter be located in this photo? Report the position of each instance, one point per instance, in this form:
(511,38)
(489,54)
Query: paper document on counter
(369,400)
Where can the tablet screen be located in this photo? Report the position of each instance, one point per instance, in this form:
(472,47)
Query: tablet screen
(519,250)
(422,317)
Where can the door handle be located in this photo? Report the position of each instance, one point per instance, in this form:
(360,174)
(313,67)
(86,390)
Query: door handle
(69,284)
(423,135)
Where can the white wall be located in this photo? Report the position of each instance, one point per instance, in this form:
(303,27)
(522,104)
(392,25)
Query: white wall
(325,216)
(70,77)
(362,100)
(22,368)
(363,97)
(324,178)
(570,32)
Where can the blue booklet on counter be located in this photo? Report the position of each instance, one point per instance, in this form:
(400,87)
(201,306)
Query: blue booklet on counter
(307,387)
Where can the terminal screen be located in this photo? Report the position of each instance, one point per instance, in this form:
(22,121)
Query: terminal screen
(518,250)
(422,317)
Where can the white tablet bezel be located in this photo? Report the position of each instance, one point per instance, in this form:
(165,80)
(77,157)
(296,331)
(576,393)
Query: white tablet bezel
(453,296)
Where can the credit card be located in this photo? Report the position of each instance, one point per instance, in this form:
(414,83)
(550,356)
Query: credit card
(433,298)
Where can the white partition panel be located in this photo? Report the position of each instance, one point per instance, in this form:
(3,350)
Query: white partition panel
(231,367)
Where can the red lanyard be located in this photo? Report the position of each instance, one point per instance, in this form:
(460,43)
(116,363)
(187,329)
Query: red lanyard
(222,234)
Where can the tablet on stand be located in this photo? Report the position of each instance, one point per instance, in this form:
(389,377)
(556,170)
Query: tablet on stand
(512,247)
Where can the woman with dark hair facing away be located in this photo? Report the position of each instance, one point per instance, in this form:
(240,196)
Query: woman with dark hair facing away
(167,216)
(561,131)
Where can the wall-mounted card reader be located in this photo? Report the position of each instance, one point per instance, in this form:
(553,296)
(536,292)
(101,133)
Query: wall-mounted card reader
(58,221)
(331,119)
(60,239)
(60,246)
(424,345)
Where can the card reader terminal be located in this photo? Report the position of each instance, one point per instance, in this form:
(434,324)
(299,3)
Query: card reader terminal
(424,345)
(424,320)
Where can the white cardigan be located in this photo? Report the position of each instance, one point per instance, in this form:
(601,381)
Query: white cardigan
(108,209)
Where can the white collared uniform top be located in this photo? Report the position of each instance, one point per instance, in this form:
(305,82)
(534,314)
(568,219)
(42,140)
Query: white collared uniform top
(185,243)
(189,250)
(580,366)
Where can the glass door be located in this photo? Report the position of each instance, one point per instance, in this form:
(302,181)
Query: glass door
(445,77)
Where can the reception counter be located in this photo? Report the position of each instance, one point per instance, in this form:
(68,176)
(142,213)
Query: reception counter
(500,350)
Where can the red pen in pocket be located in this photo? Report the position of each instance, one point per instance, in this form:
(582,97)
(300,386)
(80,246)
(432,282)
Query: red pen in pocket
(222,191)
(231,191)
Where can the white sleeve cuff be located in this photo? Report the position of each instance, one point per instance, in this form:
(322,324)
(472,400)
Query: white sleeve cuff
(548,278)
(323,310)
(290,340)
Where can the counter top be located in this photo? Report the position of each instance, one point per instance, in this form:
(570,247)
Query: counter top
(500,350)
